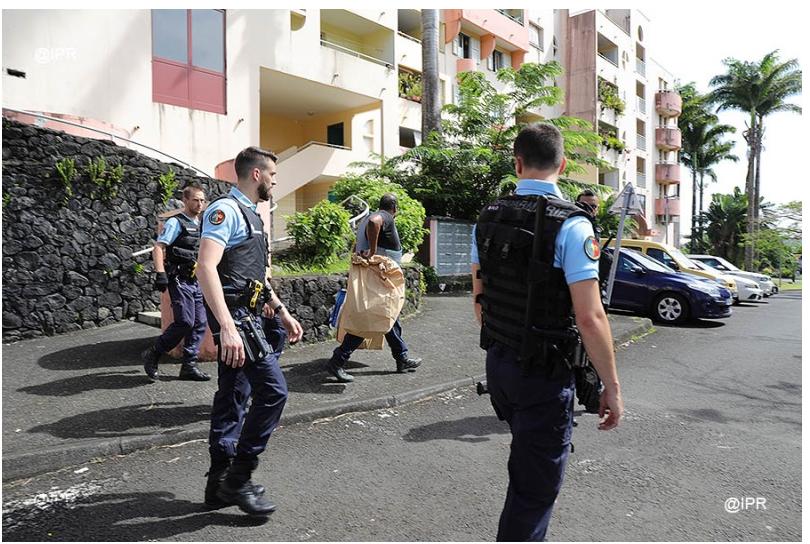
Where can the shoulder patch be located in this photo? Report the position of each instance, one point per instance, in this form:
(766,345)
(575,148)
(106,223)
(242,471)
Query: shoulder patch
(592,249)
(216,217)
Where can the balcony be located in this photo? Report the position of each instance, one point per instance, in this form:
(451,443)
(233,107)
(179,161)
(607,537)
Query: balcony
(670,206)
(668,138)
(641,179)
(466,65)
(666,173)
(514,14)
(608,116)
(641,142)
(410,114)
(668,103)
(641,67)
(507,27)
(641,105)
(409,51)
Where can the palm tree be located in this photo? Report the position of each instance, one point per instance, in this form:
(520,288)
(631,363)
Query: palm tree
(726,219)
(757,89)
(431,103)
(713,151)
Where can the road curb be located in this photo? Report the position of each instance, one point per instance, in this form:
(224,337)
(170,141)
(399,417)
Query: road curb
(28,464)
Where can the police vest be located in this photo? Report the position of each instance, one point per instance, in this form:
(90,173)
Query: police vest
(181,255)
(245,262)
(504,238)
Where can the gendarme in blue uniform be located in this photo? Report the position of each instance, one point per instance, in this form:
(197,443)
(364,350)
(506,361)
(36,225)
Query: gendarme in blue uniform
(536,399)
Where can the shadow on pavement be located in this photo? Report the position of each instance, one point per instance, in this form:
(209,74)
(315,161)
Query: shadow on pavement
(470,429)
(89,382)
(101,355)
(694,324)
(117,422)
(312,377)
(117,517)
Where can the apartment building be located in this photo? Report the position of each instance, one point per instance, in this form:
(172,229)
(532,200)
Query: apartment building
(325,88)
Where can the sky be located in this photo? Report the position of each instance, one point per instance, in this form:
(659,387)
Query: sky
(691,40)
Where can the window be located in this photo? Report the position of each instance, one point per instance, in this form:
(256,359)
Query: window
(662,85)
(554,46)
(495,61)
(334,134)
(188,58)
(536,36)
(662,257)
(461,46)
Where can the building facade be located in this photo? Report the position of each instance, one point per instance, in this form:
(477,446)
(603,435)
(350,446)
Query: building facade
(326,88)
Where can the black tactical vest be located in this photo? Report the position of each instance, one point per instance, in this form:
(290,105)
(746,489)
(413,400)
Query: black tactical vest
(504,237)
(246,261)
(181,255)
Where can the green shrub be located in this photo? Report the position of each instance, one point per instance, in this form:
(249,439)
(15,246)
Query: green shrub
(321,233)
(168,185)
(609,97)
(410,218)
(66,170)
(105,179)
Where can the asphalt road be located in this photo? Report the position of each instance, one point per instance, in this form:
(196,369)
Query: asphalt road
(713,411)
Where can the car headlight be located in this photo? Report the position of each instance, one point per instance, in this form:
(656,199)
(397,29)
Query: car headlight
(764,278)
(705,288)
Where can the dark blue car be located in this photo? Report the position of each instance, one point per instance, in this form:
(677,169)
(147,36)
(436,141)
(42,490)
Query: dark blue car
(645,286)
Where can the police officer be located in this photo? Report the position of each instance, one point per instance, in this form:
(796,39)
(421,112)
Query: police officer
(250,326)
(529,374)
(376,234)
(175,258)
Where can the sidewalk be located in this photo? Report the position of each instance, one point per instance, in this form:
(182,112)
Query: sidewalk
(69,399)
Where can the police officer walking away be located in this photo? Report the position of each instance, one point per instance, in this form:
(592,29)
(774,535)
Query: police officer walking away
(376,235)
(175,258)
(534,278)
(250,326)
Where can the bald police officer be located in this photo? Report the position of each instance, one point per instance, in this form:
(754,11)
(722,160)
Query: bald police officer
(532,345)
(250,326)
(175,259)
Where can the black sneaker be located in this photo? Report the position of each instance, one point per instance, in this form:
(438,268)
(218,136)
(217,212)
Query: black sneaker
(338,372)
(150,363)
(246,497)
(215,479)
(190,371)
(407,364)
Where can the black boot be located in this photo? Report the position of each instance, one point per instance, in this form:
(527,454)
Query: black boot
(216,475)
(190,371)
(337,370)
(150,363)
(237,489)
(407,364)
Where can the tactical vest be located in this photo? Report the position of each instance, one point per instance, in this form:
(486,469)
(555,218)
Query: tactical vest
(504,237)
(245,262)
(181,255)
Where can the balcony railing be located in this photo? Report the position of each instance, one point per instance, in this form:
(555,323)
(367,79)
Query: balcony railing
(668,103)
(354,53)
(610,60)
(516,18)
(641,179)
(641,105)
(641,67)
(667,172)
(409,37)
(641,142)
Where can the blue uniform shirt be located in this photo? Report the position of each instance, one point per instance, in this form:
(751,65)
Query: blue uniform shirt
(171,230)
(223,221)
(569,247)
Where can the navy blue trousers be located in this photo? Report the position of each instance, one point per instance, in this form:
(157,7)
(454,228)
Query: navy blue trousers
(540,414)
(351,342)
(190,319)
(234,428)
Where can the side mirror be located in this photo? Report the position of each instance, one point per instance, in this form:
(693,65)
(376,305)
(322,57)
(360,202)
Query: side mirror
(721,267)
(674,266)
(638,271)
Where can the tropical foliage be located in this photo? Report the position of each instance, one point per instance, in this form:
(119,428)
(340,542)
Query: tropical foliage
(321,233)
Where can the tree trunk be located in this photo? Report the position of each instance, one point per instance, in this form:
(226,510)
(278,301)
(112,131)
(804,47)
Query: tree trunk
(431,102)
(700,216)
(760,133)
(749,192)
(692,243)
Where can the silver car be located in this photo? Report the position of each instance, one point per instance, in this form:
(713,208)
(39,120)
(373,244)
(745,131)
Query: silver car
(722,265)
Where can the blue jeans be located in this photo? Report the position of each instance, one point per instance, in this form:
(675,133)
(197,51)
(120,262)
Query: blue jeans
(234,429)
(351,342)
(189,319)
(540,414)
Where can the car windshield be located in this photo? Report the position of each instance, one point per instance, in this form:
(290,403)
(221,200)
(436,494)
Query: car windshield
(727,264)
(701,265)
(647,262)
(681,259)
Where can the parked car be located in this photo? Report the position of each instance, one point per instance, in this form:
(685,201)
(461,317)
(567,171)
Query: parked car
(645,286)
(746,289)
(672,257)
(721,265)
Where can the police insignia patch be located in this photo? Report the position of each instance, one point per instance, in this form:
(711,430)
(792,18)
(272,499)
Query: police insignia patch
(217,217)
(592,249)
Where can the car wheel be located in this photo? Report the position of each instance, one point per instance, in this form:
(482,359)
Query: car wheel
(670,308)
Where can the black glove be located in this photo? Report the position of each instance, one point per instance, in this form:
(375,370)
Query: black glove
(589,388)
(161,281)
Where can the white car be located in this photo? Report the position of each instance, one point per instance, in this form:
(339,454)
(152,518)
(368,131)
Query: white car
(722,265)
(746,289)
